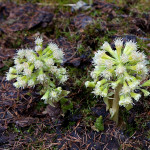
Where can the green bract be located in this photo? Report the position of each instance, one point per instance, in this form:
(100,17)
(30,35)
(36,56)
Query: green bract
(118,74)
(40,66)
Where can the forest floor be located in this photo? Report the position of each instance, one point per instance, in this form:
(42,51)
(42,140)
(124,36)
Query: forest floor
(69,126)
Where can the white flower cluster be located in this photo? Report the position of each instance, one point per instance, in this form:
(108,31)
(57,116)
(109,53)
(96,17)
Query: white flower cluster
(124,66)
(40,66)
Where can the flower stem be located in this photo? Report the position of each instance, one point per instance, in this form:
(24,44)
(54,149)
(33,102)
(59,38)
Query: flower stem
(115,105)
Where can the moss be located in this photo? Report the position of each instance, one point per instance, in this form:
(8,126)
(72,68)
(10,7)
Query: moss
(99,124)
(66,105)
(40,105)
(93,33)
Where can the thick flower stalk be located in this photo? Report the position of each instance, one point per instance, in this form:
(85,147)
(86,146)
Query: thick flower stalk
(40,66)
(118,74)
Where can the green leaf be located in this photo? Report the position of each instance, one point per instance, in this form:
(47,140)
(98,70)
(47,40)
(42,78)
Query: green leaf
(147,83)
(129,106)
(146,93)
(106,101)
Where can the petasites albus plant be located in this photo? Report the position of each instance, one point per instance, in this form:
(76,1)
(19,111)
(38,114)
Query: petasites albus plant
(118,74)
(40,66)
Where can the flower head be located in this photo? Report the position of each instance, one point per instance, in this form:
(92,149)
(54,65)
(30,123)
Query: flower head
(124,58)
(49,62)
(42,78)
(53,94)
(123,68)
(106,74)
(120,70)
(53,47)
(58,54)
(40,66)
(38,41)
(10,76)
(21,53)
(129,47)
(31,83)
(38,48)
(118,43)
(125,101)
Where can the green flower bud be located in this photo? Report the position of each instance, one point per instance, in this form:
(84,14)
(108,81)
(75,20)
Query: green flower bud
(89,84)
(46,95)
(146,93)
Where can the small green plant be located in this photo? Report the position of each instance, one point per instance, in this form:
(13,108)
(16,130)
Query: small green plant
(40,67)
(118,74)
(99,124)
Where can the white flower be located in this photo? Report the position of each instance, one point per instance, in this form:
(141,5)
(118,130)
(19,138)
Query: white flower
(118,43)
(10,76)
(93,75)
(140,66)
(87,83)
(130,46)
(108,63)
(104,92)
(125,90)
(12,70)
(53,94)
(39,41)
(38,64)
(98,61)
(134,84)
(141,56)
(137,56)
(31,83)
(53,69)
(106,74)
(62,71)
(58,54)
(16,85)
(42,78)
(125,101)
(120,70)
(114,85)
(64,78)
(144,72)
(134,55)
(50,62)
(53,47)
(22,82)
(98,55)
(105,46)
(21,53)
(59,89)
(25,65)
(31,58)
(28,52)
(27,72)
(19,68)
(16,61)
(124,58)
(97,91)
(38,48)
